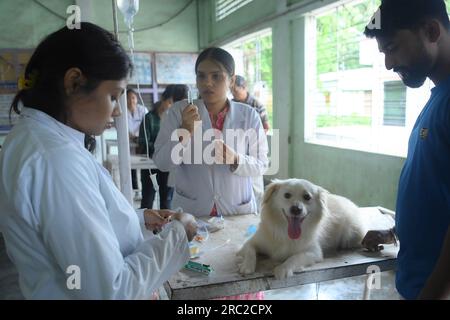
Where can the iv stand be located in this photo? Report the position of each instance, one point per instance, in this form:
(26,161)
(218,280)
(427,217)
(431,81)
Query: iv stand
(121,124)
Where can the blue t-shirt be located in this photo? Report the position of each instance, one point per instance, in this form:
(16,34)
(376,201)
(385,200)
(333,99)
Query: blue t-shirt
(423,200)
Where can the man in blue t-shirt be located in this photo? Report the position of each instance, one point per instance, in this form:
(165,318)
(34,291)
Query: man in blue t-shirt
(414,36)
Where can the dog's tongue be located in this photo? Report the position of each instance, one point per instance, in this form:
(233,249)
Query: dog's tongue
(294,228)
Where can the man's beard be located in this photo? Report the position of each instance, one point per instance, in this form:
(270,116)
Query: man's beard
(415,76)
(412,80)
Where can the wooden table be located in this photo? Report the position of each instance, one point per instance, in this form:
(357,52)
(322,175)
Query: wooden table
(220,249)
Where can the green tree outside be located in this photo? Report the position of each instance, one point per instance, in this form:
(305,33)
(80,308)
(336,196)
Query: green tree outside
(338,39)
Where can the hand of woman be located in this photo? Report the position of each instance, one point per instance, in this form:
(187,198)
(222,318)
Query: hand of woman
(156,219)
(188,222)
(189,116)
(224,153)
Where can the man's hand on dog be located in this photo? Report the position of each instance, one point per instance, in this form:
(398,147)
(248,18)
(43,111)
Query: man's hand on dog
(374,238)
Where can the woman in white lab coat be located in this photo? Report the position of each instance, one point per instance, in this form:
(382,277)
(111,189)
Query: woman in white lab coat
(67,228)
(213,160)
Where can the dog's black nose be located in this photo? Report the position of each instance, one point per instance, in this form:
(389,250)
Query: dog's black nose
(296,210)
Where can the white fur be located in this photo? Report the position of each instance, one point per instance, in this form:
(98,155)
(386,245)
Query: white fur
(330,222)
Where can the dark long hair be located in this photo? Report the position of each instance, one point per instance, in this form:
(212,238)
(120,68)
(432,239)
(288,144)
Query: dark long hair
(175,91)
(92,49)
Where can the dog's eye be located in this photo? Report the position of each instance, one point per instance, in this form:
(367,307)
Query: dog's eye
(287,195)
(307,197)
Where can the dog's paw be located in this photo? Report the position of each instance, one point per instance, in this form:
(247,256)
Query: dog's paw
(245,271)
(282,272)
(247,267)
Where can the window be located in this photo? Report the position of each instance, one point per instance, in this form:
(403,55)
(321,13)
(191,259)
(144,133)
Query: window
(253,58)
(352,101)
(394,104)
(12,65)
(227,7)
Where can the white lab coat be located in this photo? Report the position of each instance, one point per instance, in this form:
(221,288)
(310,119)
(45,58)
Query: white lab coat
(60,208)
(135,120)
(199,186)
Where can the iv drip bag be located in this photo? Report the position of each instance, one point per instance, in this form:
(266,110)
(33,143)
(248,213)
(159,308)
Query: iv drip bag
(129,8)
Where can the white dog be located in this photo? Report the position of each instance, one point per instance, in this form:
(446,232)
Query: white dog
(300,221)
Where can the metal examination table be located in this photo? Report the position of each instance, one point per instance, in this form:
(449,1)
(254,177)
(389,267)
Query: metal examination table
(220,249)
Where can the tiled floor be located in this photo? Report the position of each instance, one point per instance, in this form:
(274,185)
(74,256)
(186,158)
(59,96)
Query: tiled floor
(345,289)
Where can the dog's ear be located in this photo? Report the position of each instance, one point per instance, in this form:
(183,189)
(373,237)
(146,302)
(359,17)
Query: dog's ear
(270,189)
(323,197)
